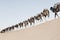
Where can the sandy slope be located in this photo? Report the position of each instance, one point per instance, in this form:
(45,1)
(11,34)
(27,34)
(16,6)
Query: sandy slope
(46,31)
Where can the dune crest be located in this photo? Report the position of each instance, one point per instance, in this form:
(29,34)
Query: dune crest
(46,31)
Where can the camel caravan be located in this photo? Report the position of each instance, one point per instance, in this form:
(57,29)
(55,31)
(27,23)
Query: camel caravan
(45,13)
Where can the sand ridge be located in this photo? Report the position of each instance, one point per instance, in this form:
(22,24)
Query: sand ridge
(46,31)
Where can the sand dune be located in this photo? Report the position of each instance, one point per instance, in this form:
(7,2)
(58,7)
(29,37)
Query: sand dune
(46,31)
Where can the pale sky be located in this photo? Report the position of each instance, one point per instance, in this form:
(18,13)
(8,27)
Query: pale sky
(15,11)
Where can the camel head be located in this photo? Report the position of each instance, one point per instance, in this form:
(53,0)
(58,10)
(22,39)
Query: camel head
(52,9)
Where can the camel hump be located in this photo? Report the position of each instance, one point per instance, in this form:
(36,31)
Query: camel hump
(55,5)
(45,10)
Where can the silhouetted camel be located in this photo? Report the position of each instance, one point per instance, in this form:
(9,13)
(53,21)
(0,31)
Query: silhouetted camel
(20,24)
(38,17)
(6,29)
(16,26)
(55,9)
(2,31)
(25,22)
(10,28)
(31,20)
(45,13)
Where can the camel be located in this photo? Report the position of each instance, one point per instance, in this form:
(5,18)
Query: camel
(10,28)
(2,31)
(38,17)
(6,29)
(20,24)
(16,26)
(31,20)
(45,13)
(55,9)
(25,22)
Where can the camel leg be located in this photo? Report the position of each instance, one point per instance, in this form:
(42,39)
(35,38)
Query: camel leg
(30,23)
(20,25)
(56,14)
(44,18)
(25,25)
(41,19)
(33,22)
(48,15)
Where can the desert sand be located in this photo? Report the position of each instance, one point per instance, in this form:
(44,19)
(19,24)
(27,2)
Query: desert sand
(47,31)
